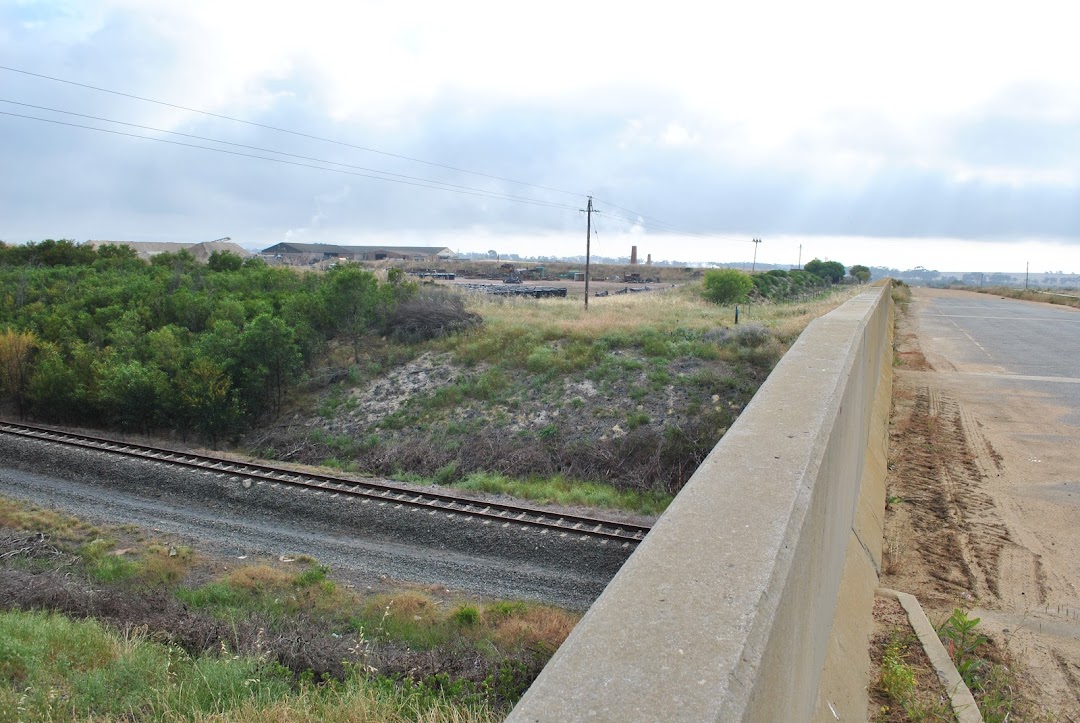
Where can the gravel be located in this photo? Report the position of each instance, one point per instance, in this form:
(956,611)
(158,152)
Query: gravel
(365,543)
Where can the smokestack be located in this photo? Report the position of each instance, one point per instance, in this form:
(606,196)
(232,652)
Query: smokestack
(633,255)
(648,260)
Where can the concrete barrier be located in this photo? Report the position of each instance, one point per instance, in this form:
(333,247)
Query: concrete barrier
(751,598)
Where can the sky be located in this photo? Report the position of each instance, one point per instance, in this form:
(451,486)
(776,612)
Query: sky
(936,134)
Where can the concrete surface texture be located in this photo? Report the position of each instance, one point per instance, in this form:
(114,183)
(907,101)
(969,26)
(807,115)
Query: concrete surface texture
(725,612)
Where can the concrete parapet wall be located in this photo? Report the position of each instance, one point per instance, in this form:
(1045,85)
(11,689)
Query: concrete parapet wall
(730,608)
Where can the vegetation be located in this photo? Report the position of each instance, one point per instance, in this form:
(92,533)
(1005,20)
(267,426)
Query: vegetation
(860,273)
(780,285)
(726,286)
(169,634)
(630,394)
(898,683)
(834,271)
(98,337)
(984,669)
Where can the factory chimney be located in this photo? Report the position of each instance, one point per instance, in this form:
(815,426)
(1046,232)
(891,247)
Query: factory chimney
(633,255)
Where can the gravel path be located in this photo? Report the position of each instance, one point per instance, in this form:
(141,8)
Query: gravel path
(363,543)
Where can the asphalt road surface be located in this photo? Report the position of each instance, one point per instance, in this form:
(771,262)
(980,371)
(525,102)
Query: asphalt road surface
(1021,345)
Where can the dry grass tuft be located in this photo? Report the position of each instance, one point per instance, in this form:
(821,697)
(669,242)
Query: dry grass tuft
(536,626)
(63,528)
(260,578)
(407,606)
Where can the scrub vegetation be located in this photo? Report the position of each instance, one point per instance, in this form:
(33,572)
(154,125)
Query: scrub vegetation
(109,623)
(372,373)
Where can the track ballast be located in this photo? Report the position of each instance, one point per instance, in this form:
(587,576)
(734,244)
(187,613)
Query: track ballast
(366,491)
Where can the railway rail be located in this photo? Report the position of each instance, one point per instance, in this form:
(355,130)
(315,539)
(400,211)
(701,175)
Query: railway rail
(366,491)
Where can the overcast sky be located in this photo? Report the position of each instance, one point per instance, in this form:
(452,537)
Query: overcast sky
(941,134)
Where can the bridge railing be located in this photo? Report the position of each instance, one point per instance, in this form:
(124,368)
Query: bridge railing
(750,599)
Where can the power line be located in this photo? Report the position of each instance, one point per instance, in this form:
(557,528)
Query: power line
(484,194)
(508,196)
(285,130)
(656,224)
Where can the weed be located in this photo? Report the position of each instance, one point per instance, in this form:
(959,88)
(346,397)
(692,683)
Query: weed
(962,641)
(466,616)
(548,431)
(636,419)
(897,677)
(448,473)
(105,566)
(559,490)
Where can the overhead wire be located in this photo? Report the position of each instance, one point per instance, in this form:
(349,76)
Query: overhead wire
(635,218)
(484,194)
(285,130)
(270,150)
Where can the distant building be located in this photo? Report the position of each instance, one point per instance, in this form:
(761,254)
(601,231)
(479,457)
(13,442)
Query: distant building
(201,251)
(297,253)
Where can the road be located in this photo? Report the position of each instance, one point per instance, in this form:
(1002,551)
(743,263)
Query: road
(987,446)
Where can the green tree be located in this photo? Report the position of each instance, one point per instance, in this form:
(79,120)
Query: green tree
(270,361)
(208,400)
(55,392)
(832,270)
(16,365)
(224,261)
(132,394)
(726,286)
(860,273)
(351,298)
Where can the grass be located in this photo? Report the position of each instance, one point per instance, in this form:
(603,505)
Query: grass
(395,646)
(54,668)
(559,490)
(542,334)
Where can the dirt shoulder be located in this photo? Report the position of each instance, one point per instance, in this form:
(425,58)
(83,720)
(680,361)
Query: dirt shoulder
(981,511)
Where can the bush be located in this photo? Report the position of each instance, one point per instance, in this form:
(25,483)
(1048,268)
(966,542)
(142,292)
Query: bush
(726,286)
(431,315)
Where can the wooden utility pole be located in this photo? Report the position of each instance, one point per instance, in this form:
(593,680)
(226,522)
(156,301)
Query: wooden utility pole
(753,267)
(588,242)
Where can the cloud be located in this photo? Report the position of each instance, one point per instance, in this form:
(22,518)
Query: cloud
(822,130)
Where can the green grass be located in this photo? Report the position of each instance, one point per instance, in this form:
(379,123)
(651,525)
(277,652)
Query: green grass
(561,491)
(53,668)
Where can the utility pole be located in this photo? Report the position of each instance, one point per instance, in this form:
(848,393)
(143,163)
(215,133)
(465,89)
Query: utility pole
(588,241)
(753,268)
(800,257)
(1027,273)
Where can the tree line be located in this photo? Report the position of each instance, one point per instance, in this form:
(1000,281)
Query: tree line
(99,337)
(729,286)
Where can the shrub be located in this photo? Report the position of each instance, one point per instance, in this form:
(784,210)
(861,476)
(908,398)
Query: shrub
(726,286)
(431,315)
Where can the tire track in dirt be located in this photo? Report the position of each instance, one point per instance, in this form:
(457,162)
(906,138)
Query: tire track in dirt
(939,476)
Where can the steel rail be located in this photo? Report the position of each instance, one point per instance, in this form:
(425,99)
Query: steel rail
(367,490)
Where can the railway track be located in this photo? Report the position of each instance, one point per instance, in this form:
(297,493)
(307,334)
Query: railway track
(366,491)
